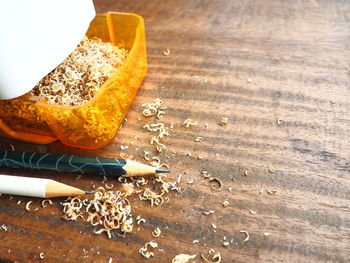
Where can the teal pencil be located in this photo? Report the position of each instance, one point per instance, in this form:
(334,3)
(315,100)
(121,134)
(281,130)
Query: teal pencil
(76,164)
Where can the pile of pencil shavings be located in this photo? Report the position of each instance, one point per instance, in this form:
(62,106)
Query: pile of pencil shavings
(110,210)
(78,78)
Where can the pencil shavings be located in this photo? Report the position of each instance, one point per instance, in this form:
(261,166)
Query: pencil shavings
(188,123)
(218,185)
(43,203)
(28,205)
(79,77)
(110,210)
(216,257)
(223,121)
(247,235)
(154,198)
(144,250)
(156,232)
(183,258)
(154,108)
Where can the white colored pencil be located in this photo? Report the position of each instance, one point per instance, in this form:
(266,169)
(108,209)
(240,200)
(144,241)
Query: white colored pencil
(36,187)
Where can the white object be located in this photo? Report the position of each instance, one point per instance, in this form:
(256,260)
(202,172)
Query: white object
(35,37)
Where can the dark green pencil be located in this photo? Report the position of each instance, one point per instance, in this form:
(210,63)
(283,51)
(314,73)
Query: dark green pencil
(76,164)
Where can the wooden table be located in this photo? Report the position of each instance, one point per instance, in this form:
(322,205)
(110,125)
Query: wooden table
(279,70)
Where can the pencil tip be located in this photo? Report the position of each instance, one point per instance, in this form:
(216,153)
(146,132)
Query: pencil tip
(87,193)
(160,171)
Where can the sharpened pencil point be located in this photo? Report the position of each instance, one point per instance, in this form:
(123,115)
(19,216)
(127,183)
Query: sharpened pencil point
(87,193)
(160,171)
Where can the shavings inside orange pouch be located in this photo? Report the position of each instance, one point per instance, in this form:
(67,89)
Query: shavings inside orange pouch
(91,123)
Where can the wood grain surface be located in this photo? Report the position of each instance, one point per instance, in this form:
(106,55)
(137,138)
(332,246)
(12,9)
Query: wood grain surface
(279,70)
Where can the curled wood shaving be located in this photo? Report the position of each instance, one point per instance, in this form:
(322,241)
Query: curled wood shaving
(271,192)
(205,174)
(225,203)
(209,212)
(145,155)
(141,220)
(247,235)
(216,257)
(144,250)
(108,186)
(199,139)
(154,198)
(28,204)
(195,241)
(46,201)
(183,258)
(41,255)
(166,52)
(225,244)
(188,122)
(252,212)
(156,232)
(153,108)
(213,186)
(223,121)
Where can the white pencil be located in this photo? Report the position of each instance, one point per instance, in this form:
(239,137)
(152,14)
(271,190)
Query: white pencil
(36,187)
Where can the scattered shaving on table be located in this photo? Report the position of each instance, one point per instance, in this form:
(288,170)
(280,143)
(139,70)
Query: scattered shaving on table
(199,139)
(209,212)
(218,186)
(225,203)
(252,212)
(279,121)
(271,192)
(183,258)
(41,255)
(188,123)
(144,250)
(28,204)
(78,78)
(225,244)
(161,130)
(46,201)
(154,108)
(216,257)
(249,80)
(266,234)
(247,235)
(156,232)
(166,52)
(223,121)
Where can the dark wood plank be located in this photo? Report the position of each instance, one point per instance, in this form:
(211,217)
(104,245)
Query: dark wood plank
(296,54)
